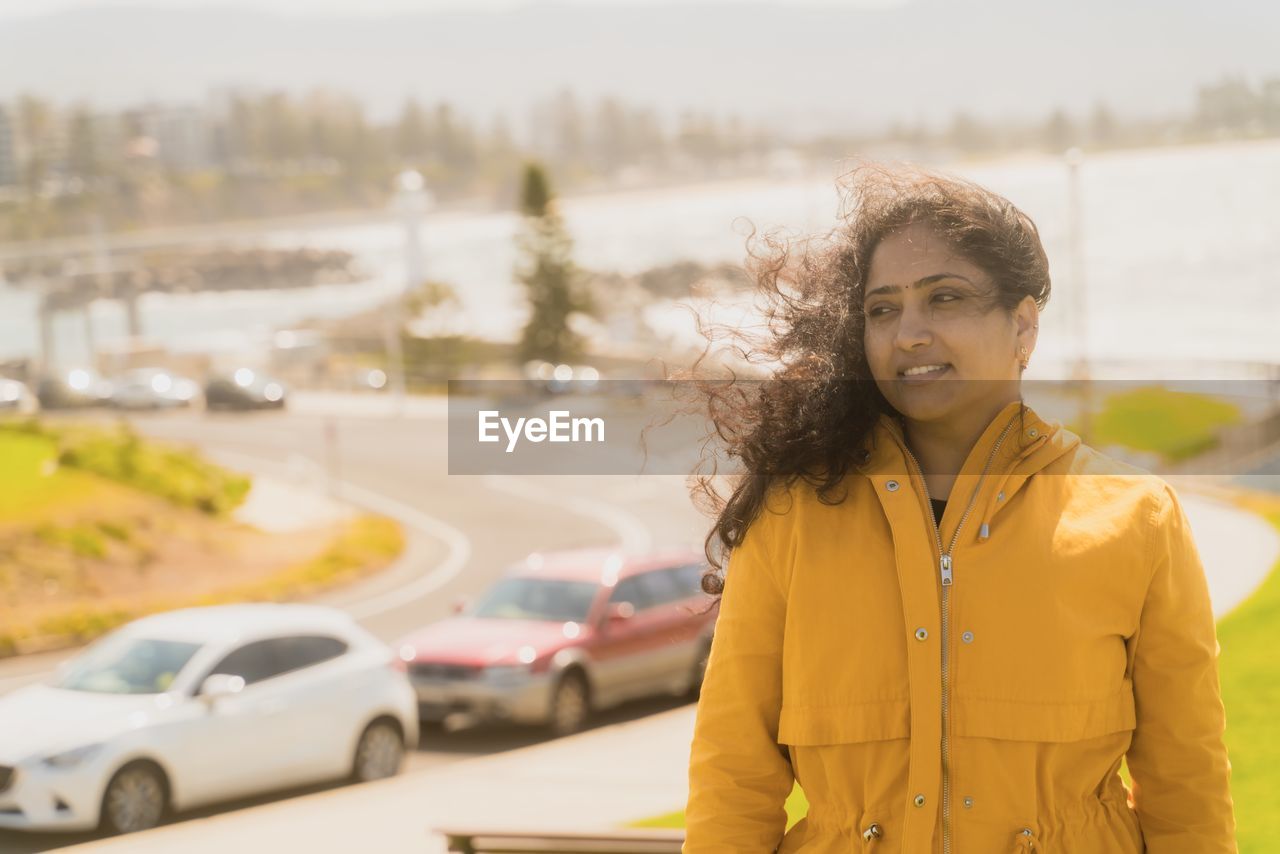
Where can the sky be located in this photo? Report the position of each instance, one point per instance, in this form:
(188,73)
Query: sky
(28,8)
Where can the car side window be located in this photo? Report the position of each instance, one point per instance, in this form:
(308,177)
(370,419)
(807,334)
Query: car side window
(265,659)
(633,590)
(252,662)
(294,653)
(690,577)
(665,586)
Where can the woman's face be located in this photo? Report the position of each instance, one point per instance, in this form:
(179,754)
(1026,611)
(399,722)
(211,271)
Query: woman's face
(927,305)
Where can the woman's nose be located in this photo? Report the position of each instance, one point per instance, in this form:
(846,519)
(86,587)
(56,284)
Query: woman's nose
(913,330)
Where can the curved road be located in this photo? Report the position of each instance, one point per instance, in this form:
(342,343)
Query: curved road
(462,533)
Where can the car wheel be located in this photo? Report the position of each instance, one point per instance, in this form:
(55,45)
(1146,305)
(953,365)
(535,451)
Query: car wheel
(379,753)
(699,672)
(570,705)
(135,799)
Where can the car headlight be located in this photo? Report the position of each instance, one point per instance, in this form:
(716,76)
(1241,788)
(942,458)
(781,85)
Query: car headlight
(73,757)
(506,672)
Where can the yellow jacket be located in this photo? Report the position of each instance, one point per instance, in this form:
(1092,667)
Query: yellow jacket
(975,705)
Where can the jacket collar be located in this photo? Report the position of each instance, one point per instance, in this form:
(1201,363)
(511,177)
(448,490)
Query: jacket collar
(1016,447)
(890,452)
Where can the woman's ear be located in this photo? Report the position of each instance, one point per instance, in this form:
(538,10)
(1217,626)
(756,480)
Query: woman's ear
(1027,320)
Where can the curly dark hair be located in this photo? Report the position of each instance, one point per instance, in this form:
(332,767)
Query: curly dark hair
(810,418)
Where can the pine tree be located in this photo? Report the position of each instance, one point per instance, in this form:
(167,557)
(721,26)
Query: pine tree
(547,271)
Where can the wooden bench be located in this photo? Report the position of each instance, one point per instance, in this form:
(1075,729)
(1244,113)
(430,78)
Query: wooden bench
(472,841)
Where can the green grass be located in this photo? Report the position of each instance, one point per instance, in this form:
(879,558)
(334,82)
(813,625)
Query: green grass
(39,453)
(1250,674)
(82,540)
(366,543)
(1249,670)
(1175,425)
(32,481)
(797,806)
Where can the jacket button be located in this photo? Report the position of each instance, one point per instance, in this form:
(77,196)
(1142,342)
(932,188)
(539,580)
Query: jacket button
(999,496)
(967,637)
(968,803)
(919,801)
(892,486)
(1033,432)
(872,832)
(921,633)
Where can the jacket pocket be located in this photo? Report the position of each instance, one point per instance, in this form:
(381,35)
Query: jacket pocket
(1044,720)
(875,720)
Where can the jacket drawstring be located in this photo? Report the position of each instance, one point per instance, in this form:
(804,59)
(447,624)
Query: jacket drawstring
(993,503)
(1026,841)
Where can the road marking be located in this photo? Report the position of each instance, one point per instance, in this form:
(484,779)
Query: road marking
(633,535)
(456,542)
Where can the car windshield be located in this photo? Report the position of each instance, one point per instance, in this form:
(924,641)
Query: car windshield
(537,599)
(128,665)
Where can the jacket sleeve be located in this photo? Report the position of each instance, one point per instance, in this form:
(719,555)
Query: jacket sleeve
(739,777)
(1178,760)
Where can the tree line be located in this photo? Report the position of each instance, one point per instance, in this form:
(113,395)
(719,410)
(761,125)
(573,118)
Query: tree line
(244,154)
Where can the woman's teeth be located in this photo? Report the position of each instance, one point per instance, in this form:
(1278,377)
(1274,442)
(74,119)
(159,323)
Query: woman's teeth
(923,369)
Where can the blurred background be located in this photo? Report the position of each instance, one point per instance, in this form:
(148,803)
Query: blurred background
(245,247)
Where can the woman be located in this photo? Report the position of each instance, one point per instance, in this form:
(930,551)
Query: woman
(943,615)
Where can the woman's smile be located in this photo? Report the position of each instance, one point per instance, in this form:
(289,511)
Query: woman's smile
(923,374)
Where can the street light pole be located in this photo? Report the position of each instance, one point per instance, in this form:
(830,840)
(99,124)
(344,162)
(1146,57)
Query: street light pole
(411,201)
(1074,157)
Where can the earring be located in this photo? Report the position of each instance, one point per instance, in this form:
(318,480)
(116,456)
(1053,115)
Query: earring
(1022,351)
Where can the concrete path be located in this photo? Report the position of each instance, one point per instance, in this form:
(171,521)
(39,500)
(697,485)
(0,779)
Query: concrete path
(277,506)
(594,781)
(1238,548)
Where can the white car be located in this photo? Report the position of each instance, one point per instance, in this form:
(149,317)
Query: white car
(16,397)
(201,705)
(152,388)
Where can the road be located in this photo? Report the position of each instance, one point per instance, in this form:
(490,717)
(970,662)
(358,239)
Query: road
(462,533)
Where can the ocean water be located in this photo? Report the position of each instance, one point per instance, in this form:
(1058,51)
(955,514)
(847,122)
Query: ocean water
(1181,258)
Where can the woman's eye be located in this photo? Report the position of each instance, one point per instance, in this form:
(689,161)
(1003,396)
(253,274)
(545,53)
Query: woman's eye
(951,296)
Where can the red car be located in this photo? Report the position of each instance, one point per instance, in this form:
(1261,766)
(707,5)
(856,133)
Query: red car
(562,635)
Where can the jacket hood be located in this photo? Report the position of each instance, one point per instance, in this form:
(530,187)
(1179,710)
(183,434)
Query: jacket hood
(1017,444)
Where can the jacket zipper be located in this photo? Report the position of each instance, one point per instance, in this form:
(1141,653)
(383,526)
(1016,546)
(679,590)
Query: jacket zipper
(944,571)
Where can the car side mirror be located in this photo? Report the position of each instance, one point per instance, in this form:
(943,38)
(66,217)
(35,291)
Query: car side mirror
(620,612)
(220,686)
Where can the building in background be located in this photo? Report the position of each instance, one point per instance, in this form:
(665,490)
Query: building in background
(10,171)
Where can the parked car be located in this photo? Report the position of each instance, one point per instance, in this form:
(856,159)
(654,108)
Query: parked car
(563,635)
(15,396)
(563,378)
(197,706)
(152,388)
(77,389)
(244,388)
